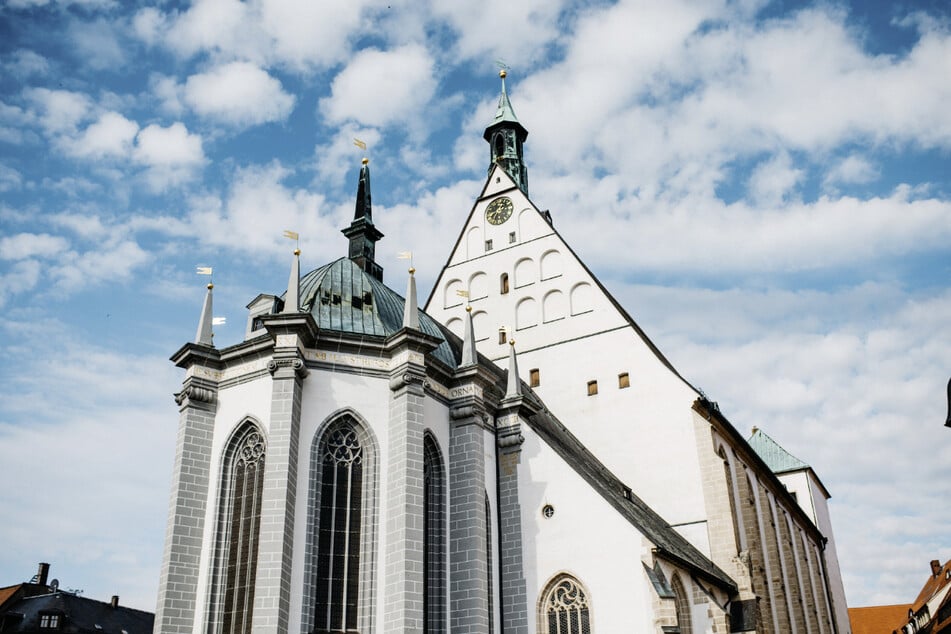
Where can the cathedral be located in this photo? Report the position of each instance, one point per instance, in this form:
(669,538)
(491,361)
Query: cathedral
(515,457)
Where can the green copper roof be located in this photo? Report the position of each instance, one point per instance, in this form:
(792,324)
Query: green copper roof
(505,111)
(341,296)
(776,458)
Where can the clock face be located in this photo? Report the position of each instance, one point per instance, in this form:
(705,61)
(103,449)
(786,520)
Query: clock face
(499,210)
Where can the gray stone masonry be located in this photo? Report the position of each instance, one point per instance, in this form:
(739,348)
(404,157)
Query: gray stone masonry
(403,581)
(178,583)
(272,588)
(515,602)
(469,583)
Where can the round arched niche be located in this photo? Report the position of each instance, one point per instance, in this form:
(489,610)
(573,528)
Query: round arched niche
(551,264)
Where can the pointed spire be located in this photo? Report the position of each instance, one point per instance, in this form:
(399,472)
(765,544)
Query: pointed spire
(514,387)
(505,136)
(292,299)
(469,355)
(410,309)
(361,232)
(204,334)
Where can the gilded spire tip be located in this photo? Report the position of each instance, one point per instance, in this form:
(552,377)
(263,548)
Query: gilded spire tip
(296,251)
(412,270)
(468,309)
(365,161)
(502,73)
(512,342)
(210,286)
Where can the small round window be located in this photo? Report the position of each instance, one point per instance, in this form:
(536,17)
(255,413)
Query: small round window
(548,510)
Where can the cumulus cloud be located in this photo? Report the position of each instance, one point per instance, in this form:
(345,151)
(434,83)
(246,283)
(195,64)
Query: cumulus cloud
(852,170)
(378,88)
(58,111)
(239,94)
(773,180)
(111,136)
(9,178)
(171,155)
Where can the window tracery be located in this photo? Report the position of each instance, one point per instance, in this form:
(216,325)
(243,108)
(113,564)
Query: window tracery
(565,608)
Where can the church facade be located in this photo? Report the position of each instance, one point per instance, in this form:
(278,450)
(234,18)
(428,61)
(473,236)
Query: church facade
(518,458)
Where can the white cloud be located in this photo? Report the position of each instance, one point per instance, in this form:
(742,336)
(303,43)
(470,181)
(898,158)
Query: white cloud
(10,179)
(30,245)
(309,33)
(379,88)
(240,94)
(171,155)
(96,44)
(114,260)
(772,181)
(257,193)
(22,276)
(24,63)
(111,136)
(852,170)
(59,111)
(169,93)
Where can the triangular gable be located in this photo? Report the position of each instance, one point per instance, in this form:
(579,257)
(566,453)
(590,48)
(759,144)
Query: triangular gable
(498,182)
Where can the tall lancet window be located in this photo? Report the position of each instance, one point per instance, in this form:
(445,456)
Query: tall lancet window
(434,544)
(240,525)
(337,596)
(565,608)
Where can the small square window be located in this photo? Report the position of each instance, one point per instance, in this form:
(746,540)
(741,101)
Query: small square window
(512,237)
(534,380)
(623,380)
(592,388)
(488,245)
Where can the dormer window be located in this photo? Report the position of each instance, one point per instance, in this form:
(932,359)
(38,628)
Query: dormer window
(50,621)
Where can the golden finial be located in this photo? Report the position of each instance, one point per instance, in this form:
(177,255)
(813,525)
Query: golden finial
(511,342)
(365,160)
(411,270)
(502,73)
(468,309)
(296,251)
(210,286)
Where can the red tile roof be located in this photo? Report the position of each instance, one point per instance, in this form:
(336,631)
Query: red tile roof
(878,619)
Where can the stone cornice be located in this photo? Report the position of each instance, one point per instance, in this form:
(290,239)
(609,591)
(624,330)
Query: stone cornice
(197,354)
(301,324)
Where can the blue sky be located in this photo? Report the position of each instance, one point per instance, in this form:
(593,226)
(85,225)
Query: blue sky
(763,185)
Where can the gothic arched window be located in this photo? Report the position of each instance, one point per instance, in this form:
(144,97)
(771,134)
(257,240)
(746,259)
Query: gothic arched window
(565,608)
(434,531)
(339,534)
(682,605)
(240,523)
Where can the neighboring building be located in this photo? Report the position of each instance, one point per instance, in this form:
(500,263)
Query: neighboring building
(358,465)
(931,611)
(38,607)
(878,619)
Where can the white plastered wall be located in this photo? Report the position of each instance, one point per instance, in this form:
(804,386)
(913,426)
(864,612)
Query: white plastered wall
(585,537)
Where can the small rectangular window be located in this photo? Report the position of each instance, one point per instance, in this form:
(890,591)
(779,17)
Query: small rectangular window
(503,338)
(623,380)
(533,378)
(592,388)
(488,245)
(511,237)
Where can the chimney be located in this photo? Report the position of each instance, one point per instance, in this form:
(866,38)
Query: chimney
(115,601)
(935,567)
(43,574)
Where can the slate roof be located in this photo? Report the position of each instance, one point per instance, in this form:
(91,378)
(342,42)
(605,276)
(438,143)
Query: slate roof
(776,458)
(668,542)
(79,615)
(343,297)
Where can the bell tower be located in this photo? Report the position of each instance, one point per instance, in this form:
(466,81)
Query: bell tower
(505,136)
